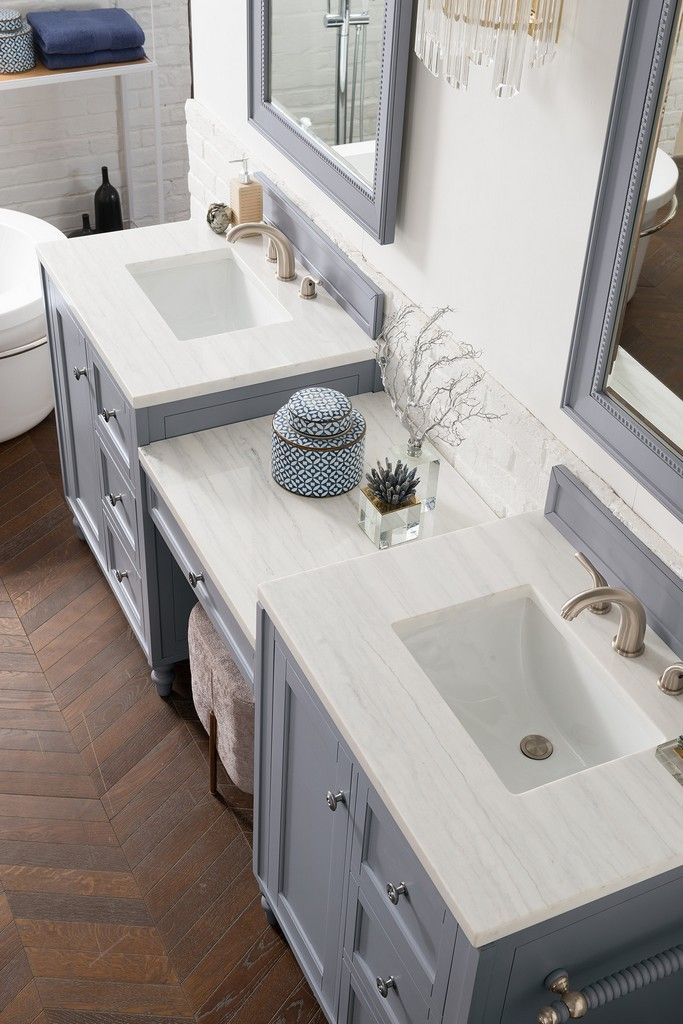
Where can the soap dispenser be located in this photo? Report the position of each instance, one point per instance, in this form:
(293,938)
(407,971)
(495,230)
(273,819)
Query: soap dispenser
(246,196)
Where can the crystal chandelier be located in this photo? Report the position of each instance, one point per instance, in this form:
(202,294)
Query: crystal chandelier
(453,34)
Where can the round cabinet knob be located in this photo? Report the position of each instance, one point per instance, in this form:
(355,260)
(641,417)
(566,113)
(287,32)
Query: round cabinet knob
(113,498)
(394,892)
(121,575)
(195,578)
(384,984)
(333,799)
(82,372)
(108,414)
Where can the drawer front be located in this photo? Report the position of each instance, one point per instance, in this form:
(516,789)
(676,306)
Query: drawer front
(205,589)
(600,944)
(123,576)
(119,502)
(390,987)
(354,1007)
(114,415)
(398,888)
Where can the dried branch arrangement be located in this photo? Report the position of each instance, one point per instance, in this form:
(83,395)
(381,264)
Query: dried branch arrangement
(415,363)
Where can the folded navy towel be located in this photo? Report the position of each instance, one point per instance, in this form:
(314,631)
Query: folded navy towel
(62,61)
(69,32)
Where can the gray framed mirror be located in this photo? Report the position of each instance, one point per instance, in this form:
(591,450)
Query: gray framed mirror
(624,381)
(327,86)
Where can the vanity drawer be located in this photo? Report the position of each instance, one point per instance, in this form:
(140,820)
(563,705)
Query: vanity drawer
(114,415)
(119,502)
(376,961)
(123,575)
(398,888)
(354,1006)
(206,591)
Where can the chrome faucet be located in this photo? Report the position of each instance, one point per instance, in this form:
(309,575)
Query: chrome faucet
(631,632)
(284,253)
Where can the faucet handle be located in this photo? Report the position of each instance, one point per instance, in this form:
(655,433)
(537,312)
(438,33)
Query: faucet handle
(271,251)
(600,607)
(671,679)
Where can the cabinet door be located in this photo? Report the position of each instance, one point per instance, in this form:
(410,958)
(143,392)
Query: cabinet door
(77,435)
(309,819)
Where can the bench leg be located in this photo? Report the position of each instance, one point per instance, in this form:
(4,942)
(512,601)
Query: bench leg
(213,755)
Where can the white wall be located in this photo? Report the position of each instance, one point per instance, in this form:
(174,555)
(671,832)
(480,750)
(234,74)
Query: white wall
(496,203)
(54,138)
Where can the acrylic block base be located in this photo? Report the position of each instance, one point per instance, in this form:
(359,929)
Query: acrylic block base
(387,529)
(427,463)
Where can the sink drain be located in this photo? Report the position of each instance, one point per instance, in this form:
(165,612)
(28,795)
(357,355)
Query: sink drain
(536,747)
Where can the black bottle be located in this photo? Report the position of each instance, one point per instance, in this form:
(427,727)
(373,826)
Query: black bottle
(87,228)
(107,206)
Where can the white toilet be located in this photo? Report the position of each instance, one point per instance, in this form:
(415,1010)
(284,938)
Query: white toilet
(660,194)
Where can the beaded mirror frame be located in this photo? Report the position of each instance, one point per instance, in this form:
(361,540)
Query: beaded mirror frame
(644,62)
(372,206)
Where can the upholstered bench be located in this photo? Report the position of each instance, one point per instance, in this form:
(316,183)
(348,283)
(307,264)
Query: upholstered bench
(224,701)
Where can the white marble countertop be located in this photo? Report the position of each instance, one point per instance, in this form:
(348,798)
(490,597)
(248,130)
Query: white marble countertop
(501,861)
(141,351)
(246,529)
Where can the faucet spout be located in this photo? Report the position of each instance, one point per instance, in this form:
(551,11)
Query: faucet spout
(629,641)
(283,247)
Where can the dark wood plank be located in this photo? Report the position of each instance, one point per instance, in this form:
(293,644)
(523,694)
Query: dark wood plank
(128,998)
(96,909)
(93,938)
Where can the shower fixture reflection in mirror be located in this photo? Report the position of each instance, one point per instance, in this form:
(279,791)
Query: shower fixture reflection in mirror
(452,35)
(327,82)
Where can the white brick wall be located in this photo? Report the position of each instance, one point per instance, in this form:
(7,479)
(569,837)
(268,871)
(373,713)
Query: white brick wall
(54,138)
(671,137)
(508,461)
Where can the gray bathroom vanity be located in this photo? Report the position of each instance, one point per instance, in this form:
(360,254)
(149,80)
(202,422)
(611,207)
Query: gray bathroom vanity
(126,374)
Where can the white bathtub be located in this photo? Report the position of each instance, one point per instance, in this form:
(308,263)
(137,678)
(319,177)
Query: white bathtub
(25,378)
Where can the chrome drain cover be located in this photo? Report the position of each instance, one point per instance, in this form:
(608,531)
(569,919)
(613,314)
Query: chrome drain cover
(536,747)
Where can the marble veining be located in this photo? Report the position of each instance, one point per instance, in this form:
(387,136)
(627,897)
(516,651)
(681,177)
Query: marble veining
(501,861)
(246,529)
(150,364)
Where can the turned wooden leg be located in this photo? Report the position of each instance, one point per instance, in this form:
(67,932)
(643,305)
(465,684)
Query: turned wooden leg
(213,755)
(163,680)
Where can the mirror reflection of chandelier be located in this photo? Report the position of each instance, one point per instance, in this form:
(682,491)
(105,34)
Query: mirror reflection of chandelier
(451,35)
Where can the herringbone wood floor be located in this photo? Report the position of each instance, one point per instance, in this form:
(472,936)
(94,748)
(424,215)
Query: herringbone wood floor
(126,891)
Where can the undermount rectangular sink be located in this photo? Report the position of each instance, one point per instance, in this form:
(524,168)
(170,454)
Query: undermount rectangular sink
(508,673)
(207,293)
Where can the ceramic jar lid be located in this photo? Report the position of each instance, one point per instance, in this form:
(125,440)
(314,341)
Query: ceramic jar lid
(319,412)
(10,21)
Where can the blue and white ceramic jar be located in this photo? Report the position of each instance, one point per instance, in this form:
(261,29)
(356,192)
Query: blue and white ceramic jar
(16,43)
(318,444)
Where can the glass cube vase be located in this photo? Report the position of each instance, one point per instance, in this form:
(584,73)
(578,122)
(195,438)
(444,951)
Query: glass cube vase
(388,528)
(427,461)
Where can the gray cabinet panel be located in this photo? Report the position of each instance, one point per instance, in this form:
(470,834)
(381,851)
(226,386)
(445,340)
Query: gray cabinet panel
(354,1007)
(596,945)
(307,843)
(114,415)
(381,858)
(82,484)
(375,959)
(119,501)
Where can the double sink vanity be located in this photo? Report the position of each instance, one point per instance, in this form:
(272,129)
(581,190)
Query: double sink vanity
(456,791)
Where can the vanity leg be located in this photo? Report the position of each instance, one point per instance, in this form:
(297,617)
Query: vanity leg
(213,755)
(163,680)
(270,916)
(77,528)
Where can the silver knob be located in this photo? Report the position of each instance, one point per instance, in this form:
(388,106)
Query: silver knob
(195,578)
(384,984)
(108,414)
(113,498)
(394,892)
(333,799)
(271,251)
(121,575)
(671,679)
(82,372)
(308,288)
